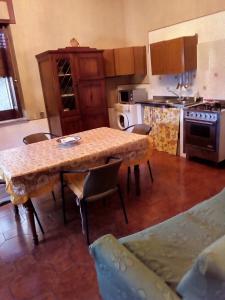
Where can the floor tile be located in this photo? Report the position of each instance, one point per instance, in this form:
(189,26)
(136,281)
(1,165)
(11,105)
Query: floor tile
(61,267)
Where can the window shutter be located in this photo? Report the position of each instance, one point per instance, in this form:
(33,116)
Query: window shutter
(3,57)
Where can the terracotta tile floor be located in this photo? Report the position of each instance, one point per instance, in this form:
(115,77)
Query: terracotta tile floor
(61,267)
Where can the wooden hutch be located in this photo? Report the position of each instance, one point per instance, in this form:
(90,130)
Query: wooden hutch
(73,85)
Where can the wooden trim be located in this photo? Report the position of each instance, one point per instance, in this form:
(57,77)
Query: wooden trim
(14,71)
(9,114)
(11,19)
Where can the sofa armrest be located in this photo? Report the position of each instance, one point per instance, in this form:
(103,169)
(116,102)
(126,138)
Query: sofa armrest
(122,276)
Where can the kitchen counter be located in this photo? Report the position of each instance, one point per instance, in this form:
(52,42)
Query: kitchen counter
(168,101)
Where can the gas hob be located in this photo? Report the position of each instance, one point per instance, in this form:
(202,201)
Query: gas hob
(210,105)
(207,111)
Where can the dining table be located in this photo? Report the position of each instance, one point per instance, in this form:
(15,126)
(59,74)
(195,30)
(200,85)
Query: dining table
(33,170)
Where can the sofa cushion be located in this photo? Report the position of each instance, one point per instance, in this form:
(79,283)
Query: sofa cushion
(206,279)
(171,247)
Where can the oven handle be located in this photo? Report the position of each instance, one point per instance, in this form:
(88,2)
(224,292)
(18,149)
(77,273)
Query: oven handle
(203,123)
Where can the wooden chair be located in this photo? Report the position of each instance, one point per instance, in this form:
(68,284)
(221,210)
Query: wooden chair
(6,200)
(38,137)
(142,129)
(90,185)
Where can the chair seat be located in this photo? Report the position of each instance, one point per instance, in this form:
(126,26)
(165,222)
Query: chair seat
(76,183)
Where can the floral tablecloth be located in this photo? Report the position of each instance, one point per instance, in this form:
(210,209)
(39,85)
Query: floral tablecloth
(32,170)
(165,124)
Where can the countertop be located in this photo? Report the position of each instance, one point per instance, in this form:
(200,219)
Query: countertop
(165,101)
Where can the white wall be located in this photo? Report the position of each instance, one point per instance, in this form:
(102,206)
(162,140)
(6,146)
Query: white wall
(209,79)
(12,135)
(43,25)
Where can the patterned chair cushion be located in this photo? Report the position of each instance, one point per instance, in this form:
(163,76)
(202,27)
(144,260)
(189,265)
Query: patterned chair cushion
(206,279)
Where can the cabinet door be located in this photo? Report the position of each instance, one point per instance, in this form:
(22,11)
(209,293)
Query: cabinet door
(174,53)
(158,59)
(109,62)
(96,120)
(190,52)
(67,87)
(174,56)
(140,65)
(124,61)
(71,125)
(93,104)
(90,65)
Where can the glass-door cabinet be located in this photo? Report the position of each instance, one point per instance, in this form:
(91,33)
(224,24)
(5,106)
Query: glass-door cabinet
(73,87)
(67,86)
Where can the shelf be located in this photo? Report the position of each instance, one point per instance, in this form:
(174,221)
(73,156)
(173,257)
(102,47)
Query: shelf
(67,95)
(65,109)
(63,75)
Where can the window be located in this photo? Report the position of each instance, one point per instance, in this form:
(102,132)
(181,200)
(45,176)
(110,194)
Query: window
(10,94)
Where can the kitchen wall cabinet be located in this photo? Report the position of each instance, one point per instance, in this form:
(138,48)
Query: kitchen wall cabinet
(74,89)
(174,56)
(125,61)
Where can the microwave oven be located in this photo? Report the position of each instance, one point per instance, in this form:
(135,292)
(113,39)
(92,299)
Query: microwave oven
(130,96)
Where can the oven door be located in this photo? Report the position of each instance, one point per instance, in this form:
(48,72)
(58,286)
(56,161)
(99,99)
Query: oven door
(200,133)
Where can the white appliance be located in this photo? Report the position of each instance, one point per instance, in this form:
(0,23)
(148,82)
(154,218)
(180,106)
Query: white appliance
(127,115)
(112,118)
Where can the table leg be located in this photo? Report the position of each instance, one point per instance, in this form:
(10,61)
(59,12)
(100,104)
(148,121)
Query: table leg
(137,179)
(16,210)
(29,208)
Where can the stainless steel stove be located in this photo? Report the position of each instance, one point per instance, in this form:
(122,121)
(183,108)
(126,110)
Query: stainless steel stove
(204,130)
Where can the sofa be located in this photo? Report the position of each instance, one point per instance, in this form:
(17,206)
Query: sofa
(180,258)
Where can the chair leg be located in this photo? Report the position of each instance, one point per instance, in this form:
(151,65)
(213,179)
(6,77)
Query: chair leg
(85,214)
(137,180)
(16,210)
(36,216)
(122,204)
(63,204)
(53,196)
(150,170)
(128,178)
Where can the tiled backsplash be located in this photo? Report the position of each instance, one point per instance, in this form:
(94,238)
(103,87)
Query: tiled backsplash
(210,78)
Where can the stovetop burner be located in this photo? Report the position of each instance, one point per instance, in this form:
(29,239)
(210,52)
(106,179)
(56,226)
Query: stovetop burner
(211,105)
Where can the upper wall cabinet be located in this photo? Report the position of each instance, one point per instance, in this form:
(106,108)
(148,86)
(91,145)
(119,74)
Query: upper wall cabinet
(174,56)
(125,61)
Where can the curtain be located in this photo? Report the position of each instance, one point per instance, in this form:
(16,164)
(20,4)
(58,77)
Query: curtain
(165,124)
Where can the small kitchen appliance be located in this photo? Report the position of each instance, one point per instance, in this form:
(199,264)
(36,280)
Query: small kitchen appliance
(130,96)
(204,130)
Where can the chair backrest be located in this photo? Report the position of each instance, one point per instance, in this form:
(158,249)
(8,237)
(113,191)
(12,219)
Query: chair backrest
(102,181)
(142,129)
(36,137)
